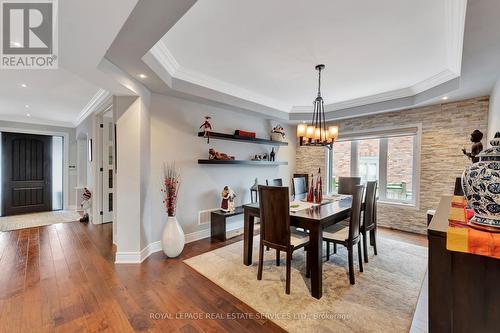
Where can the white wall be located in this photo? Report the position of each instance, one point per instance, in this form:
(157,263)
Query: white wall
(494,112)
(174,126)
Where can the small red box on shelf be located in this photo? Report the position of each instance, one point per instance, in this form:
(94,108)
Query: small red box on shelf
(244,133)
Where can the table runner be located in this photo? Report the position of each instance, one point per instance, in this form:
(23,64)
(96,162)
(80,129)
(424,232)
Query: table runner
(463,238)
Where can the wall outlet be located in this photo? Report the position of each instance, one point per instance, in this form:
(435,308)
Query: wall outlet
(204,216)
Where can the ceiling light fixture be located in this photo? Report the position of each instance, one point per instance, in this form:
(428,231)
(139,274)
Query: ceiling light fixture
(28,115)
(24,85)
(143,76)
(316,134)
(27,106)
(445,98)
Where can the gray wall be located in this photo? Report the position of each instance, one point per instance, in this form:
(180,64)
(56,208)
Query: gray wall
(174,126)
(71,153)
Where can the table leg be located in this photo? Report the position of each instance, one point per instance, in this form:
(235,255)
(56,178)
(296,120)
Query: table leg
(316,244)
(248,239)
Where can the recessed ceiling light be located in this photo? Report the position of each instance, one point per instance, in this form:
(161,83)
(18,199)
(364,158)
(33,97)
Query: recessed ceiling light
(445,98)
(143,76)
(27,106)
(24,85)
(28,115)
(16,44)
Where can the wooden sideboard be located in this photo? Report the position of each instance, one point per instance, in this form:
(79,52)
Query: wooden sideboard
(464,289)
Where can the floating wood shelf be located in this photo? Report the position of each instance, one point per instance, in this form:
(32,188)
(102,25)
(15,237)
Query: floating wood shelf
(243,162)
(232,137)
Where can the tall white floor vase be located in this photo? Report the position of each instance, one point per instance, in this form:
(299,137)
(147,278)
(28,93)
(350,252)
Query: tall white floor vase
(172,240)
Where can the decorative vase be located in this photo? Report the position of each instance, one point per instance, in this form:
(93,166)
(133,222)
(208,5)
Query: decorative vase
(172,240)
(481,185)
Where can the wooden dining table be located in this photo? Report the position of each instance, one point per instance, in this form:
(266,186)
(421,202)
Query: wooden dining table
(314,219)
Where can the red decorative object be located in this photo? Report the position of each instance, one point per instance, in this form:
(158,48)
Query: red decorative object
(170,189)
(310,193)
(319,188)
(215,155)
(245,134)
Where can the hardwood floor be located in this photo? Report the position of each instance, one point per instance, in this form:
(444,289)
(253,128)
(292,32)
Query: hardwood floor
(61,278)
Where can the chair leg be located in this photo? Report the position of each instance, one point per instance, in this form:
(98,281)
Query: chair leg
(308,263)
(327,250)
(373,239)
(351,265)
(334,248)
(288,271)
(365,247)
(261,261)
(360,258)
(277,257)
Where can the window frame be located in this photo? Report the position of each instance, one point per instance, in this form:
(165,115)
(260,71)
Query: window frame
(382,134)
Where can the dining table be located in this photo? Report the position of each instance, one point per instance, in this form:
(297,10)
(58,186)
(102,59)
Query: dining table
(314,219)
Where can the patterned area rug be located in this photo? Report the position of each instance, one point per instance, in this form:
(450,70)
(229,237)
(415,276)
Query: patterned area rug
(382,300)
(15,222)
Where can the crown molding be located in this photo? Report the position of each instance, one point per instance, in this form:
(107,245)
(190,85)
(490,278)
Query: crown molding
(35,121)
(99,100)
(455,11)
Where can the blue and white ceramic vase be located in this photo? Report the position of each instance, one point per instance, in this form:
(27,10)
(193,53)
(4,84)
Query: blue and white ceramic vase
(481,185)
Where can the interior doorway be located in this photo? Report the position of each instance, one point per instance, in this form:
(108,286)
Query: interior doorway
(106,166)
(32,173)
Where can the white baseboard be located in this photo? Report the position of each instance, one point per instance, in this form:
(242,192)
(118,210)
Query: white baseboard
(138,257)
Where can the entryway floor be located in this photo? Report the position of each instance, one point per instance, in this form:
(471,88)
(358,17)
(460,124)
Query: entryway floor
(23,221)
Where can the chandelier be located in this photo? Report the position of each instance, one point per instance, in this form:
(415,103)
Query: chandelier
(317,134)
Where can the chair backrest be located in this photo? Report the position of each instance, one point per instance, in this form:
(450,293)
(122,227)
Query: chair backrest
(299,185)
(274,182)
(347,184)
(357,200)
(369,215)
(275,215)
(303,175)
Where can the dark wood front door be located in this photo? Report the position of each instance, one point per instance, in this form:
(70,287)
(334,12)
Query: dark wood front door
(26,173)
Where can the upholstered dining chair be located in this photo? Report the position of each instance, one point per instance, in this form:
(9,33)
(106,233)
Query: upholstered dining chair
(302,175)
(275,230)
(347,185)
(299,186)
(348,236)
(274,182)
(369,224)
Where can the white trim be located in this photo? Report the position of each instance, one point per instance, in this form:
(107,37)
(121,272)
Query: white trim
(139,257)
(102,97)
(454,18)
(66,155)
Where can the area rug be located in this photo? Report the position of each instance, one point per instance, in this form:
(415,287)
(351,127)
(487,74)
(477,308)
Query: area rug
(15,222)
(382,300)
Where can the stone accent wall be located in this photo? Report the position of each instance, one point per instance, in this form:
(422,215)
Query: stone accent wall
(446,130)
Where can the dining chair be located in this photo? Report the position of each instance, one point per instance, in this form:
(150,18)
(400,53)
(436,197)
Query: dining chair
(274,182)
(302,175)
(347,185)
(348,236)
(369,224)
(275,230)
(299,186)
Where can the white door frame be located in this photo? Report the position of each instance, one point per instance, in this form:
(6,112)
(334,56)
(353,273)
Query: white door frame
(97,144)
(66,155)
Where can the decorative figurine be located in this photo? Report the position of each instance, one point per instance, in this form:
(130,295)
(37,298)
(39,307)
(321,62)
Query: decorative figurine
(227,204)
(265,157)
(254,190)
(86,205)
(215,155)
(272,155)
(278,133)
(206,128)
(477,146)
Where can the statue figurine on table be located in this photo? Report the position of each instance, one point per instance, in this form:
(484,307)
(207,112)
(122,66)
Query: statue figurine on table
(206,128)
(477,146)
(215,155)
(227,204)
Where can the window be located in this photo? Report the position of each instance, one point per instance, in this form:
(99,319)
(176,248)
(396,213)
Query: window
(389,157)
